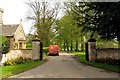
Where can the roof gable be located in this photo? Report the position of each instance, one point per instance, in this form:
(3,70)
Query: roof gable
(9,30)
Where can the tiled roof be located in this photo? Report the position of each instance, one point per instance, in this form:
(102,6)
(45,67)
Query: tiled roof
(9,30)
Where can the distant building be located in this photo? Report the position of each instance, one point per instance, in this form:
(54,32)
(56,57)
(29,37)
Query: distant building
(14,32)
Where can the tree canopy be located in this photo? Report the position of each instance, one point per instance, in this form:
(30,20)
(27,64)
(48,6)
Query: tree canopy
(106,19)
(100,17)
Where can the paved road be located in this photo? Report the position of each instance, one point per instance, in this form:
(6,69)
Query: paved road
(65,66)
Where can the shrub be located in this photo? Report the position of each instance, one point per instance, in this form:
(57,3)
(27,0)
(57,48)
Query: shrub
(108,61)
(19,60)
(45,50)
(4,44)
(10,63)
(29,45)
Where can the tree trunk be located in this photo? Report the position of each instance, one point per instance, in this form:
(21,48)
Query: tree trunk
(60,45)
(71,46)
(67,46)
(64,45)
(76,45)
(82,44)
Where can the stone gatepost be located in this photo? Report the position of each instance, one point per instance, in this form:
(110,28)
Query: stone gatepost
(36,49)
(92,49)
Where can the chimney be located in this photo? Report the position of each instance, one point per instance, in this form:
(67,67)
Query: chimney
(1,21)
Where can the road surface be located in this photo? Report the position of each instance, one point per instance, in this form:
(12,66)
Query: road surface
(65,66)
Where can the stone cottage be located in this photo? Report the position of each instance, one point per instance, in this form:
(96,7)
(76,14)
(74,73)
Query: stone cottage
(14,32)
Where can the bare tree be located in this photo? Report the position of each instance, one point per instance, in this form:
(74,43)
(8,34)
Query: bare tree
(43,15)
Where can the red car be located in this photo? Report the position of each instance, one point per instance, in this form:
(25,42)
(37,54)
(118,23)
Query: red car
(53,50)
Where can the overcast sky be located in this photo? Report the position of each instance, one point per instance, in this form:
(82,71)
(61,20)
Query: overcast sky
(14,10)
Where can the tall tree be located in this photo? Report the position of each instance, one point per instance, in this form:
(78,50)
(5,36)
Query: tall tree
(29,38)
(108,20)
(43,16)
(102,18)
(68,32)
(77,13)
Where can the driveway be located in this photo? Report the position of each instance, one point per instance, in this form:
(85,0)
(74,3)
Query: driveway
(65,66)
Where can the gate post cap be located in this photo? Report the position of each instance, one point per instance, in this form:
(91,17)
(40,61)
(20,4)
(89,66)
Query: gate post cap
(36,38)
(91,40)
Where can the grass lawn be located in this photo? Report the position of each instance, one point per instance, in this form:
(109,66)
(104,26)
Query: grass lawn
(11,70)
(81,56)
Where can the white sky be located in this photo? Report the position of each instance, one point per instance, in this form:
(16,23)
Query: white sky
(14,10)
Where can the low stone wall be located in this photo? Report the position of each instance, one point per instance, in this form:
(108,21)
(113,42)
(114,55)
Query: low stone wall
(108,53)
(33,53)
(13,54)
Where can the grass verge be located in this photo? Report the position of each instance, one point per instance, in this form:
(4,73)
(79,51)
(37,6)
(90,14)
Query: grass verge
(81,58)
(12,70)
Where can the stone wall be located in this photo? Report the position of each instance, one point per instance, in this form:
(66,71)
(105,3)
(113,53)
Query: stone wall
(13,54)
(33,53)
(108,53)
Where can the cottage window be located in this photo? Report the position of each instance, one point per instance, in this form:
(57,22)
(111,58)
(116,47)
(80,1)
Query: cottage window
(20,45)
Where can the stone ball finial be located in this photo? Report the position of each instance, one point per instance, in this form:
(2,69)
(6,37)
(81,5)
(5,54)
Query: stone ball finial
(21,19)
(1,10)
(92,35)
(36,36)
